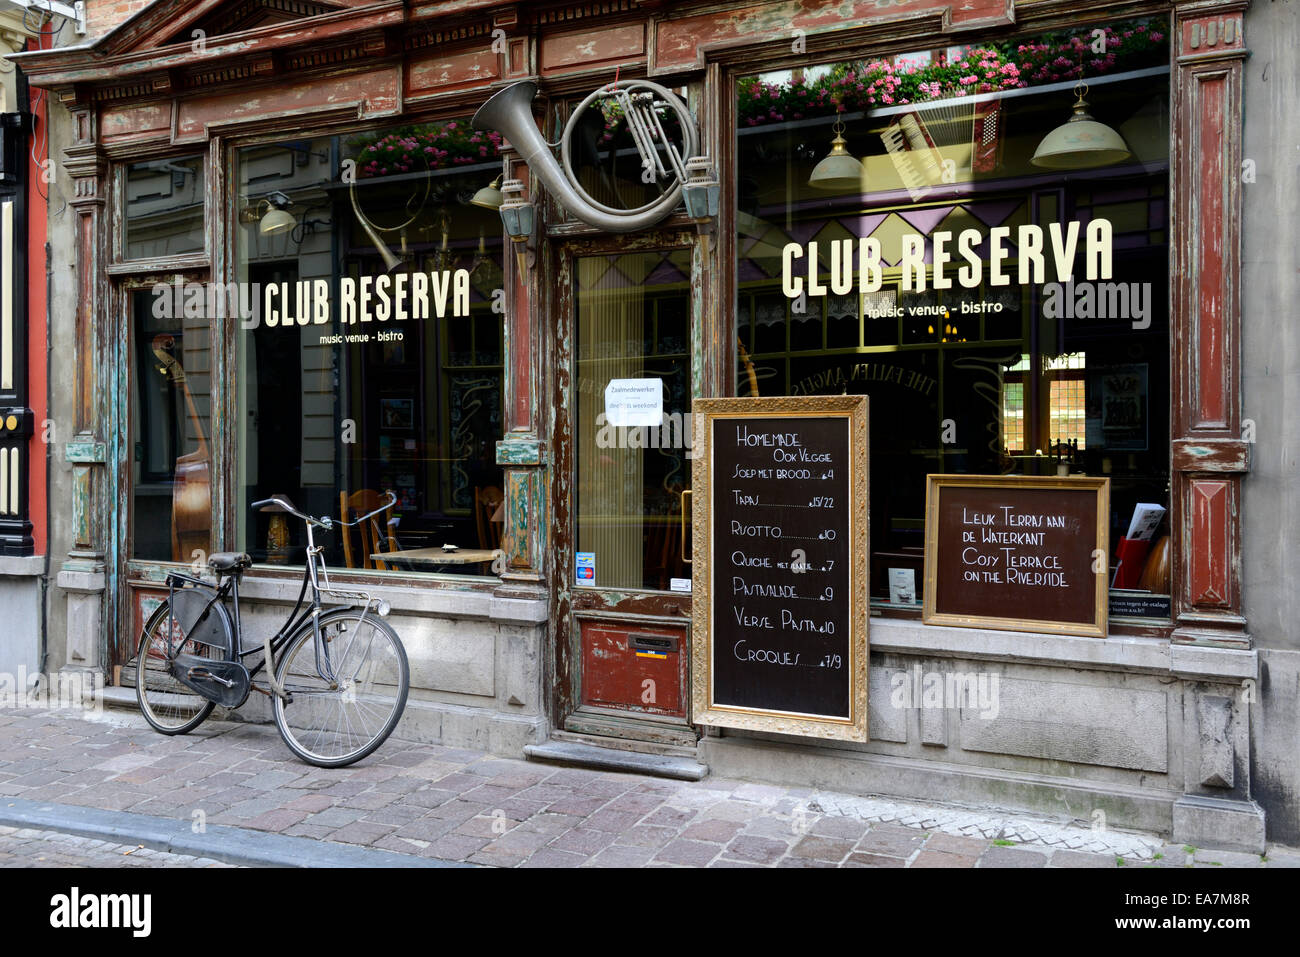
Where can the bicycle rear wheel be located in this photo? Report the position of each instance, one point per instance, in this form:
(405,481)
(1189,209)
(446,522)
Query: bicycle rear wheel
(178,626)
(332,726)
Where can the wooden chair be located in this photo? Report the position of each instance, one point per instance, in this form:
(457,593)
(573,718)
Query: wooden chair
(374,538)
(486,502)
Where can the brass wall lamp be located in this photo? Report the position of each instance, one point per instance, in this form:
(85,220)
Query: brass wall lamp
(489,197)
(271,213)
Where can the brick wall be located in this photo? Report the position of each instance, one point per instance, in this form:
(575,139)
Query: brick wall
(103,15)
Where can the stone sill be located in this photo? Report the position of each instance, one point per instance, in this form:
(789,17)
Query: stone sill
(476,603)
(1120,653)
(22,566)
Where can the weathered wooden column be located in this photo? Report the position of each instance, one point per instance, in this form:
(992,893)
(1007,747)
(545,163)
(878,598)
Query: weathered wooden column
(1211,648)
(85,572)
(1210,456)
(522,451)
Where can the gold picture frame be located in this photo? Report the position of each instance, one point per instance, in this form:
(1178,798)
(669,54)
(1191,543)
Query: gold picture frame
(706,709)
(1099,486)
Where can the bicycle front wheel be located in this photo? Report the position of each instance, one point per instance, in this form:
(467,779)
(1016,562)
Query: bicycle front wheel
(336,720)
(188,624)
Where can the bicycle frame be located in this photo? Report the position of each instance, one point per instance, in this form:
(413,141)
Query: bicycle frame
(313,572)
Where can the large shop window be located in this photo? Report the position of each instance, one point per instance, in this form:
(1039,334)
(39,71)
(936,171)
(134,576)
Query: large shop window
(995,281)
(375,362)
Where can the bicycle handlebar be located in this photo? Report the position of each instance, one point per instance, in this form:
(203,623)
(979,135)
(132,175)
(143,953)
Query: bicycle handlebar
(324,521)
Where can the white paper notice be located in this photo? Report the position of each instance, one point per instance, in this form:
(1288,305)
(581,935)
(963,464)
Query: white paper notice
(634,402)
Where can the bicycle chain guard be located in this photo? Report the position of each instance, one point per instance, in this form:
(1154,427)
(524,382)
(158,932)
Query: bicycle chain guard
(225,682)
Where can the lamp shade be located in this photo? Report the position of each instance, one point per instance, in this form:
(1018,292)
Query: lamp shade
(489,197)
(276,221)
(839,170)
(1081,143)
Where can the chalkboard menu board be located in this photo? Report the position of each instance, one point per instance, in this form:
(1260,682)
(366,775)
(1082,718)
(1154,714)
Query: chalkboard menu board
(1018,553)
(779,557)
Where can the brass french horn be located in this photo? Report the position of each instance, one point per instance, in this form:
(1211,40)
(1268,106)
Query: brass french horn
(509,112)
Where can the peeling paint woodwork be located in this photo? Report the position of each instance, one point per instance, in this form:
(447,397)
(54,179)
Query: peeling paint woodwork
(592,49)
(1208,457)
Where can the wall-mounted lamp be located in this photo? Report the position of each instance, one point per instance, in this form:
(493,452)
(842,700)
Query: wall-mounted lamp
(519,218)
(489,197)
(701,193)
(701,190)
(271,214)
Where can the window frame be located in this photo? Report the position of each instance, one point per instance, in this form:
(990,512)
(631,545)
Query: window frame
(118,261)
(226,150)
(216,264)
(734,64)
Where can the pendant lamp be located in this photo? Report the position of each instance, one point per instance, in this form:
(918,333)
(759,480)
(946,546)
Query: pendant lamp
(1080,142)
(838,170)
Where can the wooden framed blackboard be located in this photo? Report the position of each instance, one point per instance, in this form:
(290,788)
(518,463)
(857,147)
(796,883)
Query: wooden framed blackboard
(1018,553)
(780,547)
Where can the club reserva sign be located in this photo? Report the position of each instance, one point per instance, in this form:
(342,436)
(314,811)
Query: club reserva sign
(386,297)
(955,258)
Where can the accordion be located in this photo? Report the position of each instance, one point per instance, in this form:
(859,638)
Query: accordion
(929,143)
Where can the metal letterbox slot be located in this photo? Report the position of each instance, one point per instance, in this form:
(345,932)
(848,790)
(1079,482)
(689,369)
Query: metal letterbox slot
(640,642)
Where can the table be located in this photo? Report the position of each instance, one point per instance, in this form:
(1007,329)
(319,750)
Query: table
(415,558)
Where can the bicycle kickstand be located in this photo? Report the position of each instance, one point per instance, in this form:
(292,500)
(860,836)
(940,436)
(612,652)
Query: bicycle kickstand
(276,687)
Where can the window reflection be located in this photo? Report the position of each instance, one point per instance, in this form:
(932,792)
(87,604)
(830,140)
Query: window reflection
(395,383)
(1045,374)
(164,207)
(171,428)
(633,330)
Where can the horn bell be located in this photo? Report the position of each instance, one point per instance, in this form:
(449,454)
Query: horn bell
(509,112)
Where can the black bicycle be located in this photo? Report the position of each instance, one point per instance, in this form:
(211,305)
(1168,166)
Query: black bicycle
(338,675)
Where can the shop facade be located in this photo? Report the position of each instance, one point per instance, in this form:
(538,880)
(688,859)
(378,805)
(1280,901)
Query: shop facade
(296,273)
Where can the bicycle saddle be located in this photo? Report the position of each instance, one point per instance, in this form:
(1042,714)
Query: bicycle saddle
(229,561)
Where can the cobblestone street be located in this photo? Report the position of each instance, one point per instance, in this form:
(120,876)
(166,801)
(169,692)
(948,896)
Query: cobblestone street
(458,805)
(27,847)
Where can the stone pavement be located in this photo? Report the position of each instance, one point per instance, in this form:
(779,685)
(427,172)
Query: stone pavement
(460,805)
(26,847)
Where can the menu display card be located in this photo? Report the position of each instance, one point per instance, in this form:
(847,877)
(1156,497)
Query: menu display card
(1017,553)
(779,564)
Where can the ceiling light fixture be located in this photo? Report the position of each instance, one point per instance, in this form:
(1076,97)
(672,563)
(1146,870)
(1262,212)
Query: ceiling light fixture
(1081,142)
(838,170)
